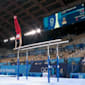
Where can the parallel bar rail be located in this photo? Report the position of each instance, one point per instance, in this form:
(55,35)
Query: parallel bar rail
(44,45)
(41,43)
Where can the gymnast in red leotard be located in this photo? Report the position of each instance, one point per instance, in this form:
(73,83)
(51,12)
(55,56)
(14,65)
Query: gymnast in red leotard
(18,40)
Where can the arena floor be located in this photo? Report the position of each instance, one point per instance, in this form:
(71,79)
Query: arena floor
(6,80)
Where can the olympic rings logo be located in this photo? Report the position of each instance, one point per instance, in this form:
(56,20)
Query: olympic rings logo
(44,69)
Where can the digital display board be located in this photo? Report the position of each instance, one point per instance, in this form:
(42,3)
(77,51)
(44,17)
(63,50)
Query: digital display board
(73,15)
(66,17)
(52,22)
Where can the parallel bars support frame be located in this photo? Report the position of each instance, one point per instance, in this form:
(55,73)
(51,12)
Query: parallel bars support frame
(38,45)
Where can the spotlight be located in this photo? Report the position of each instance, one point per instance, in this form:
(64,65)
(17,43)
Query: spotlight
(38,30)
(33,32)
(30,33)
(12,38)
(5,40)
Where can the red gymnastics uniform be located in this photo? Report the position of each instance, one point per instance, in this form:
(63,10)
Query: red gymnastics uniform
(17,28)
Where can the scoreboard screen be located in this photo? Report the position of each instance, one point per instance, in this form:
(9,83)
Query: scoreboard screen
(53,21)
(73,15)
(66,17)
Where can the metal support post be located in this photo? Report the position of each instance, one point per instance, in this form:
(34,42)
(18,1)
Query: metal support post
(57,56)
(48,52)
(27,65)
(18,64)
